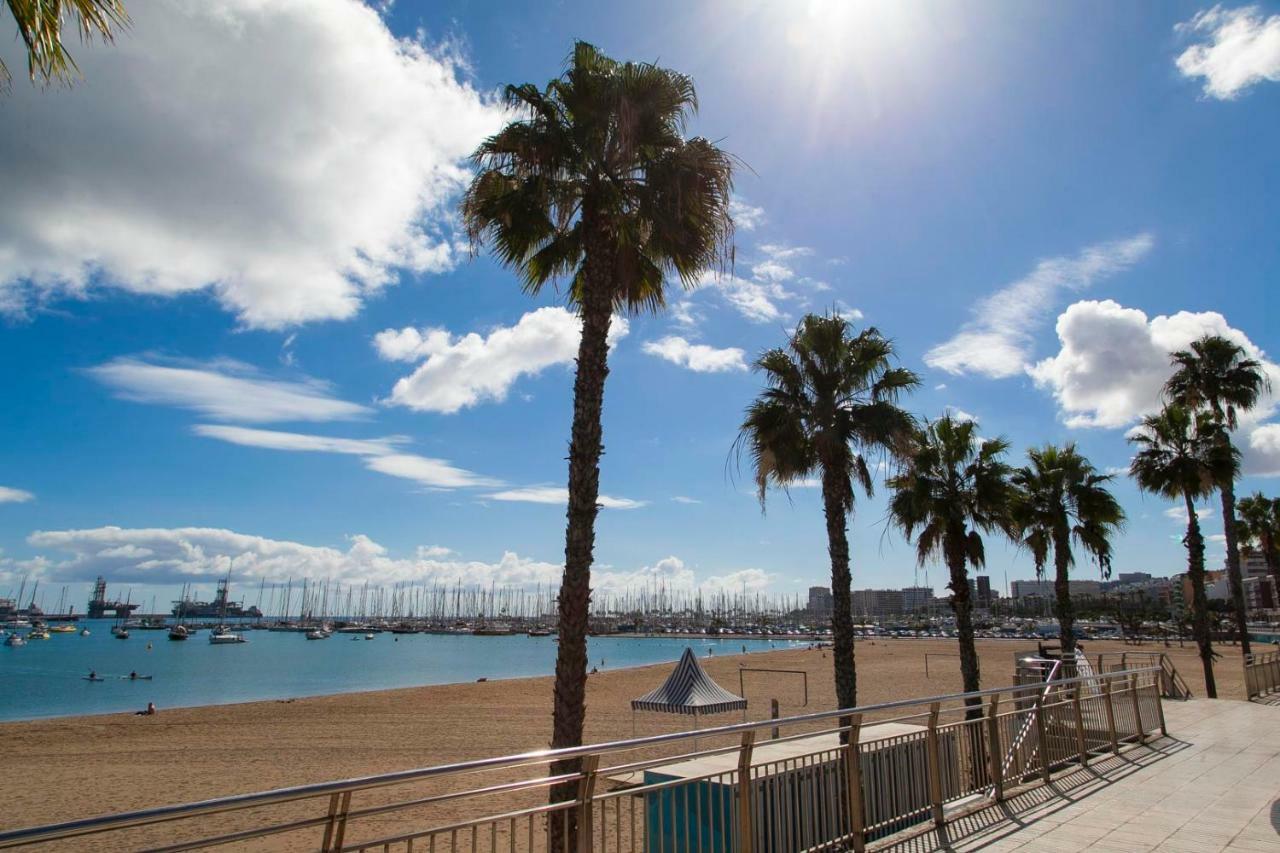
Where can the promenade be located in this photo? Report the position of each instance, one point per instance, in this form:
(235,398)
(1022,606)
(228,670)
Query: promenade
(1212,785)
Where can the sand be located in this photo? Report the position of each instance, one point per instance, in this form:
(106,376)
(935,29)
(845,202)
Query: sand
(76,767)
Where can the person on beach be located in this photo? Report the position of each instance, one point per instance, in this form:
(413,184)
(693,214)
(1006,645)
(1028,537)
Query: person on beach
(149,711)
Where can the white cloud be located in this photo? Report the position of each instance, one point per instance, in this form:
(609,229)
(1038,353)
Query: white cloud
(699,358)
(226,390)
(558,495)
(9,495)
(1179,513)
(997,341)
(681,499)
(959,414)
(847,311)
(383,455)
(1243,49)
(746,217)
(758,297)
(289,156)
(459,372)
(1113,362)
(190,554)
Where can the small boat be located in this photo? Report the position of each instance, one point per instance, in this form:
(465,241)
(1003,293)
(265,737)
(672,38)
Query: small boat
(136,677)
(15,639)
(179,632)
(93,678)
(39,632)
(120,633)
(224,636)
(539,632)
(84,632)
(62,629)
(368,636)
(320,634)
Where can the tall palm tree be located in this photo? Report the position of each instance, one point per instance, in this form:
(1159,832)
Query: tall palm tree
(1259,527)
(1214,375)
(1062,499)
(1181,455)
(594,182)
(830,401)
(40,24)
(953,487)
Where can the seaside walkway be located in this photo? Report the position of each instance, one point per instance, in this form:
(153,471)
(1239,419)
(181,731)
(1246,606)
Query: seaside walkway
(1212,785)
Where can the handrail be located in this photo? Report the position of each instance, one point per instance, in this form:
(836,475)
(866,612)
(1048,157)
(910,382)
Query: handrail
(238,802)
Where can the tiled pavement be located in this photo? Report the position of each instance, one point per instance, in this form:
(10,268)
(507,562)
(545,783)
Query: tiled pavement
(1212,785)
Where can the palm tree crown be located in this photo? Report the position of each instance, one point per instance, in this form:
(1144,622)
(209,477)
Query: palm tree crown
(40,24)
(830,399)
(1062,500)
(952,481)
(597,163)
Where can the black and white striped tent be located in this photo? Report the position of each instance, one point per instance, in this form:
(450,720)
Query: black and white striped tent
(689,690)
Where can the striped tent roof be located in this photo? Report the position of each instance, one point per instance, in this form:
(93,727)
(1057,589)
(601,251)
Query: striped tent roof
(689,690)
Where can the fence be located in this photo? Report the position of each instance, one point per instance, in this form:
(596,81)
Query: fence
(832,781)
(1261,675)
(1171,684)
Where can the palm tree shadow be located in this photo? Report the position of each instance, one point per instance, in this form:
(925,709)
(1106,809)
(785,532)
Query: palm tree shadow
(1275,816)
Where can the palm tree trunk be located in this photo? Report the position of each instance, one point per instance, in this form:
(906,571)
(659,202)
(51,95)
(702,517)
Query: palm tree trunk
(841,593)
(585,447)
(1199,603)
(1228,490)
(1062,592)
(1273,566)
(962,606)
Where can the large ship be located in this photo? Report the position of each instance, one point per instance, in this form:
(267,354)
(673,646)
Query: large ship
(219,607)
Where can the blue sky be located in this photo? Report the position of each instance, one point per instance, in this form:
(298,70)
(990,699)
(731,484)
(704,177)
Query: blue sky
(241,329)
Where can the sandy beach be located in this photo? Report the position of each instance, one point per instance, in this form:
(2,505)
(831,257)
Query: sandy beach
(77,767)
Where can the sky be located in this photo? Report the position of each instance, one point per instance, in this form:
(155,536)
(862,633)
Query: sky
(241,329)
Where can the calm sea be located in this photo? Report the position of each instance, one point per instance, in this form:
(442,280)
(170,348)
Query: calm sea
(46,678)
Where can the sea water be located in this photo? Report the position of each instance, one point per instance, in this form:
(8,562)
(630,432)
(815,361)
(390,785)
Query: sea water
(46,678)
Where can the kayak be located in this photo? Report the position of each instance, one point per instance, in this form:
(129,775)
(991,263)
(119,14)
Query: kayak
(137,678)
(88,678)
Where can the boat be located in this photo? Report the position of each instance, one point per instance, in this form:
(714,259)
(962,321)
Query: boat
(93,678)
(15,639)
(84,632)
(224,636)
(539,632)
(120,632)
(368,636)
(63,629)
(179,632)
(318,634)
(38,632)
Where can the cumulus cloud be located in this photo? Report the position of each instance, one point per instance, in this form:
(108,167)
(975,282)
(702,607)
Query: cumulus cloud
(997,342)
(759,296)
(290,157)
(226,390)
(558,495)
(9,495)
(190,554)
(699,358)
(1179,513)
(1113,362)
(1241,48)
(459,372)
(746,216)
(383,455)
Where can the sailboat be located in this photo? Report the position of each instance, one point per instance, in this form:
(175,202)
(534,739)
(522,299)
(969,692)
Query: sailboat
(118,630)
(179,631)
(222,635)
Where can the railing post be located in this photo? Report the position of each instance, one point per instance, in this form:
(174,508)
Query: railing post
(746,817)
(1043,735)
(995,753)
(1137,708)
(336,827)
(586,801)
(933,754)
(853,783)
(1248,678)
(1164,729)
(1111,716)
(1081,748)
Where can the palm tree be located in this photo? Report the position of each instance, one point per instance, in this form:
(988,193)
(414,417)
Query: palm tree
(1062,499)
(1214,375)
(1182,456)
(595,182)
(830,401)
(40,24)
(952,488)
(1259,528)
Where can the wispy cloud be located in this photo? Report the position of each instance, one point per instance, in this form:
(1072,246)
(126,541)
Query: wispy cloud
(1242,50)
(746,216)
(224,389)
(559,495)
(997,342)
(383,455)
(9,495)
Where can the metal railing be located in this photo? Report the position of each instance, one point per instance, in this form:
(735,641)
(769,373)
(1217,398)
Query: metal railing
(830,781)
(1261,674)
(1171,684)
